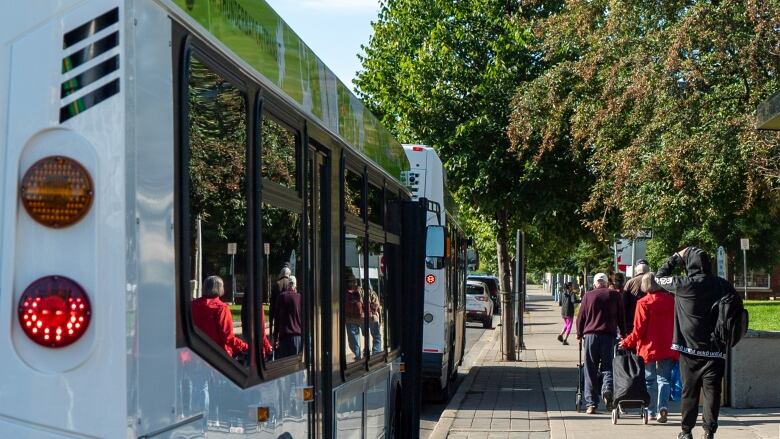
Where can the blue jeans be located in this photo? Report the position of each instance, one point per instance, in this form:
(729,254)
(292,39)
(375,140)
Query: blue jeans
(658,376)
(599,352)
(353,339)
(376,337)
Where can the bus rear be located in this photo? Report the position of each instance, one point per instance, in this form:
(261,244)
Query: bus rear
(62,229)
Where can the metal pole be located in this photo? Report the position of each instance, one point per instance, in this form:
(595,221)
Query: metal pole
(616,261)
(744,268)
(633,257)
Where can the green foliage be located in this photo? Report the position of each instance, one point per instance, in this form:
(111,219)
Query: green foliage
(657,100)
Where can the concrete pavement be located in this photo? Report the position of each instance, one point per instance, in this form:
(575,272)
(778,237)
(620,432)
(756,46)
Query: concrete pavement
(534,398)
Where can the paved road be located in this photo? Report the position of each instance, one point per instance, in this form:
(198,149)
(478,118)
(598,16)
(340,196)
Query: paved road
(431,411)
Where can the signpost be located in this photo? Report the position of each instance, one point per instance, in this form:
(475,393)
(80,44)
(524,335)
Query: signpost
(744,243)
(232,247)
(722,263)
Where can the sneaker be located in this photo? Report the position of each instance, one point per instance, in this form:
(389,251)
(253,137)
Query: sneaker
(560,337)
(684,435)
(565,343)
(662,415)
(608,400)
(708,435)
(591,410)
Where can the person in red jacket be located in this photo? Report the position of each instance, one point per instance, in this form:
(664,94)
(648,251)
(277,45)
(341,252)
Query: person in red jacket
(652,338)
(212,316)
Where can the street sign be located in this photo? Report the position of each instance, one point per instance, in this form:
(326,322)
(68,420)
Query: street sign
(744,244)
(722,263)
(232,248)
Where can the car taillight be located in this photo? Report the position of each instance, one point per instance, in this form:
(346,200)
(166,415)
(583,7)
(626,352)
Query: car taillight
(54,311)
(56,191)
(418,149)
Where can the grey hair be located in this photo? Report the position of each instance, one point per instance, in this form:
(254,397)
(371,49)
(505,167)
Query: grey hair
(642,269)
(213,286)
(648,283)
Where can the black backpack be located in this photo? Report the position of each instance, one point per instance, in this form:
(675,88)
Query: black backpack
(732,318)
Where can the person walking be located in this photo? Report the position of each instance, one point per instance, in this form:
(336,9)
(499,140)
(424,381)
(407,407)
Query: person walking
(632,292)
(568,298)
(652,338)
(600,320)
(280,285)
(287,332)
(212,316)
(702,359)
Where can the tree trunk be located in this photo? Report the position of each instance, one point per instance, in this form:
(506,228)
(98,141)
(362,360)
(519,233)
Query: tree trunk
(502,247)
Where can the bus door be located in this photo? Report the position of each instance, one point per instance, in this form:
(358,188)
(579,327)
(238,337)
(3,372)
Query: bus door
(318,352)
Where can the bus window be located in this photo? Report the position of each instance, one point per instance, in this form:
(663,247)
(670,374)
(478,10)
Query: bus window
(376,298)
(353,193)
(284,282)
(374,204)
(217,172)
(393,213)
(389,268)
(279,153)
(353,300)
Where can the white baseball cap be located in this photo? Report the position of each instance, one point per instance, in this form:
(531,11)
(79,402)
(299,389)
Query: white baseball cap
(600,277)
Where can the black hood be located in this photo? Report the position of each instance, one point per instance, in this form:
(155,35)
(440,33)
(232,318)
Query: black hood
(697,261)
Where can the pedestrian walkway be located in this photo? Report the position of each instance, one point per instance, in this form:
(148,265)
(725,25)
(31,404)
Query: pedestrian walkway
(534,398)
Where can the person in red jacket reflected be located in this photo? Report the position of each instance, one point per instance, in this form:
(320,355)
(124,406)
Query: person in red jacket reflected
(652,338)
(212,316)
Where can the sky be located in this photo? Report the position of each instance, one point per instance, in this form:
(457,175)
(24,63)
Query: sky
(333,29)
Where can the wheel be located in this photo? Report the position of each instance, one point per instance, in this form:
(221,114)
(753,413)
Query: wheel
(617,412)
(614,416)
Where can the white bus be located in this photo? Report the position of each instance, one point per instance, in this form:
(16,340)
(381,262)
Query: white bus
(151,148)
(444,328)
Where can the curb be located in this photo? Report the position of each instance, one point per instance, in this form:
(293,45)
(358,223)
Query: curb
(447,417)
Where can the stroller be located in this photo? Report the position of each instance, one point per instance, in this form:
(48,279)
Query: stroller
(630,389)
(580,381)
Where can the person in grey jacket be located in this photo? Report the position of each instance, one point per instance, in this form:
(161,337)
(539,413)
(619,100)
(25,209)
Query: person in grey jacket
(702,359)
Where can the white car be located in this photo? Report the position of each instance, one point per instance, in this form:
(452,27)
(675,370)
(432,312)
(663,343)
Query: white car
(479,307)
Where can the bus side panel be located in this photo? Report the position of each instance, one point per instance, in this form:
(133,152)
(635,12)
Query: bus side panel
(151,304)
(63,390)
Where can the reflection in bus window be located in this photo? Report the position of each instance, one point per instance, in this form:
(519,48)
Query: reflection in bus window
(354,299)
(374,204)
(217,201)
(282,281)
(279,153)
(389,265)
(376,298)
(353,193)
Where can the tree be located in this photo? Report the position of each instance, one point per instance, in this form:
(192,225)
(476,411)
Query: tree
(442,73)
(657,98)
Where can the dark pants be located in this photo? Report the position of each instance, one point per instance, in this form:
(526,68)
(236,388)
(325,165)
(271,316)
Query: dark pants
(289,345)
(701,374)
(599,351)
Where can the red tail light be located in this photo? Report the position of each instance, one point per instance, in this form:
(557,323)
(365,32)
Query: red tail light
(430,279)
(417,149)
(54,311)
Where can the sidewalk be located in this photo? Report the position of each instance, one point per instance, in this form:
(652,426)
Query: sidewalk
(534,398)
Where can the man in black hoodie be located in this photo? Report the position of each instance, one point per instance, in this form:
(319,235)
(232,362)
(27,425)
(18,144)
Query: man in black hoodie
(702,359)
